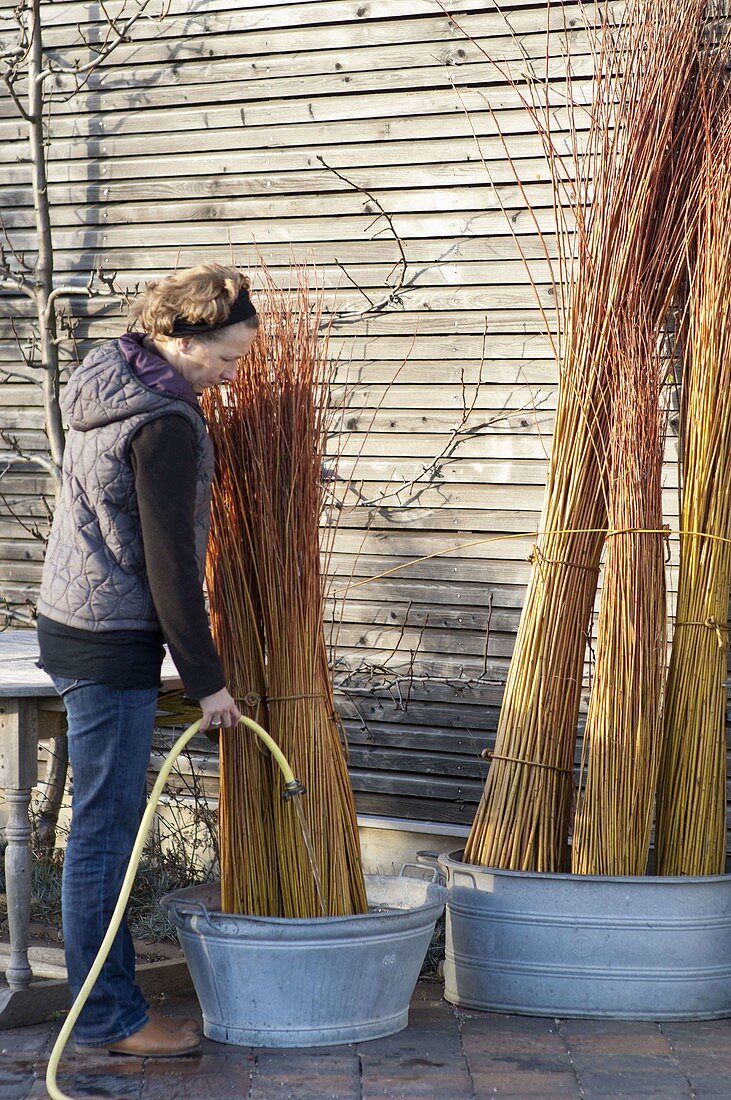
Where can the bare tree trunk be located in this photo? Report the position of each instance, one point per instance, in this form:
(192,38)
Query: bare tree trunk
(57,767)
(44,266)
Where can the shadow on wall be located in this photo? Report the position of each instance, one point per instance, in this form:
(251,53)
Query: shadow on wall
(124,84)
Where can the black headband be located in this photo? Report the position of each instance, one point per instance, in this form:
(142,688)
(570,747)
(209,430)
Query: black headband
(242,309)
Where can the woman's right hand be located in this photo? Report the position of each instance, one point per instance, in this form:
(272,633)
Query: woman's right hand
(219,711)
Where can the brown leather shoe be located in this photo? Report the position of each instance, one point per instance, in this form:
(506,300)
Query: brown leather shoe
(177,1023)
(155,1040)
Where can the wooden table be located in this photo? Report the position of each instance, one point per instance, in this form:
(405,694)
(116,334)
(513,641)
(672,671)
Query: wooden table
(31,710)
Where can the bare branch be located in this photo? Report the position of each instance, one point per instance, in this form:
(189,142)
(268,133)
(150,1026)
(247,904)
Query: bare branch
(18,376)
(108,289)
(7,242)
(33,529)
(10,281)
(457,436)
(66,292)
(8,461)
(110,282)
(20,455)
(16,55)
(371,679)
(33,340)
(11,613)
(116,34)
(392,298)
(12,56)
(111,28)
(19,105)
(70,328)
(350,279)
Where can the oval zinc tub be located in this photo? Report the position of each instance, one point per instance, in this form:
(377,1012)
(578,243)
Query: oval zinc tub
(280,982)
(650,947)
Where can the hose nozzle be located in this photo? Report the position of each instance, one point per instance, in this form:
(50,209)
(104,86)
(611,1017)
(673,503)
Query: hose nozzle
(292,788)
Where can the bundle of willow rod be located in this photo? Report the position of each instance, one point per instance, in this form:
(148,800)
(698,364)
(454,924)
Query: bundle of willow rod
(691,807)
(632,183)
(265,585)
(623,733)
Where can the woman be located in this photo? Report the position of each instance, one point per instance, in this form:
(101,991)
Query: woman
(123,573)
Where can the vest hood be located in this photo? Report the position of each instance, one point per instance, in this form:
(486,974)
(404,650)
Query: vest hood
(104,389)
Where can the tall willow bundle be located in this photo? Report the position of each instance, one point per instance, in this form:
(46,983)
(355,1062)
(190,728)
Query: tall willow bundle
(633,181)
(691,810)
(266,593)
(624,724)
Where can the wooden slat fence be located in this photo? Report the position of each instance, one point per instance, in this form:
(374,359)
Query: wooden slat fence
(204,138)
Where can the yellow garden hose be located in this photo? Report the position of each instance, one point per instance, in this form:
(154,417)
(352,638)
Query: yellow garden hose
(292,786)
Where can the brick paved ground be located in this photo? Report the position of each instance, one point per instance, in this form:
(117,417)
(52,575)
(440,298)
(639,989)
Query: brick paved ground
(443,1055)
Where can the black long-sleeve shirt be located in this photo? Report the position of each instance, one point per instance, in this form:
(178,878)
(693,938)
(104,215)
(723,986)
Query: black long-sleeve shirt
(163,459)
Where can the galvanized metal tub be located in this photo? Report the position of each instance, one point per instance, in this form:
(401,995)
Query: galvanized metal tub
(276,982)
(647,948)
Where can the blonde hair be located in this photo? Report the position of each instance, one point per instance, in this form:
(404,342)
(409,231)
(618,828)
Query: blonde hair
(204,293)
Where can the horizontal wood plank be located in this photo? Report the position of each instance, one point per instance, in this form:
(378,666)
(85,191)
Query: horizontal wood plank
(199,139)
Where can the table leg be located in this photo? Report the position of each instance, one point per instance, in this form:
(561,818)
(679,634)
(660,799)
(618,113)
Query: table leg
(18,868)
(19,771)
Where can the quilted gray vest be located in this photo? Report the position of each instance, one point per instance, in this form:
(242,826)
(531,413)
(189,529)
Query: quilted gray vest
(94,574)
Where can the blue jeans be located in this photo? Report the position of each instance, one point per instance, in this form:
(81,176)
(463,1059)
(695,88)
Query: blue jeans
(110,739)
